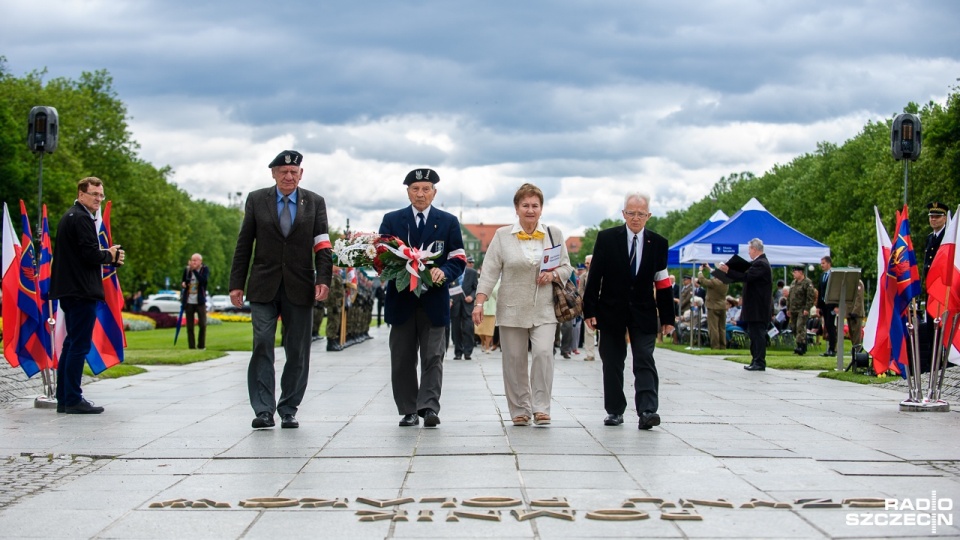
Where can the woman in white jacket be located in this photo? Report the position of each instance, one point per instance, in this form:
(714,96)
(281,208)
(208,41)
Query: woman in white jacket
(524,305)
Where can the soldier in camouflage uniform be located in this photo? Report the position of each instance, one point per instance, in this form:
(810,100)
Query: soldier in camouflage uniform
(801,299)
(334,304)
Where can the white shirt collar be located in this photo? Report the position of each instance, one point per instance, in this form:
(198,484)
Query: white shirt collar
(426,213)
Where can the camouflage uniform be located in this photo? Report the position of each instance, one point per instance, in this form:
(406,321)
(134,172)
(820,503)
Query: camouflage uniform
(334,304)
(802,296)
(855,314)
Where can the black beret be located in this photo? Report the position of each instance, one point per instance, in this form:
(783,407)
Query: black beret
(421,175)
(287,157)
(937,208)
(798,267)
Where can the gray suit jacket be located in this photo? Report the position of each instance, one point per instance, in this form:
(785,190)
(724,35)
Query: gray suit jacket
(299,261)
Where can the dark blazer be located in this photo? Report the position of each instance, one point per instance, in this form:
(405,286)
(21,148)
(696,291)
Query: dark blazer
(300,261)
(440,227)
(757,290)
(77,257)
(460,308)
(822,294)
(202,276)
(618,300)
(930,249)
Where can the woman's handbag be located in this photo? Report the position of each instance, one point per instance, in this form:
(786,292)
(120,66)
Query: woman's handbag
(567,303)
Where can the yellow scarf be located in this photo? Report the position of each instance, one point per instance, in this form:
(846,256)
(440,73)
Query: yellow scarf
(537,235)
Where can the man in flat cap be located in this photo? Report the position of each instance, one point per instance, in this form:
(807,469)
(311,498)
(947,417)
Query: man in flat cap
(937,213)
(284,231)
(418,324)
(463,291)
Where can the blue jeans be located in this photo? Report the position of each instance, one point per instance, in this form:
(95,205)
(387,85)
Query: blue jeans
(80,316)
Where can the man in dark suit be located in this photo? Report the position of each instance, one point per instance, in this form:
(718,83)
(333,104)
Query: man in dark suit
(828,312)
(757,307)
(77,282)
(292,265)
(463,291)
(629,263)
(418,324)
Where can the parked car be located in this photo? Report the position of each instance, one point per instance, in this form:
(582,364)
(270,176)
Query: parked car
(219,302)
(162,303)
(233,309)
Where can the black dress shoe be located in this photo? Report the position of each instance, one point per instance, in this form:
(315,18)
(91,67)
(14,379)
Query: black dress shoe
(263,420)
(613,420)
(289,421)
(61,407)
(466,357)
(829,353)
(430,419)
(649,420)
(409,420)
(457,357)
(755,367)
(83,407)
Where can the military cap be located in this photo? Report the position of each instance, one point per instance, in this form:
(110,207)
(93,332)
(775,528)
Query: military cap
(685,276)
(798,267)
(470,260)
(421,175)
(937,208)
(287,157)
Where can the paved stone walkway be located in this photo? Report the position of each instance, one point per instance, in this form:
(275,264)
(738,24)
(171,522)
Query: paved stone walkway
(779,454)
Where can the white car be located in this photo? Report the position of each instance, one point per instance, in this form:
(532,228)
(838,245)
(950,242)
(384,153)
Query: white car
(162,303)
(219,302)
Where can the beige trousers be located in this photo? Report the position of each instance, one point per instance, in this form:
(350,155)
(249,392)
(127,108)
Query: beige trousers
(528,394)
(589,341)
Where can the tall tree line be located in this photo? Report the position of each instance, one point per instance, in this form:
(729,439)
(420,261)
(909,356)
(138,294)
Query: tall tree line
(158,224)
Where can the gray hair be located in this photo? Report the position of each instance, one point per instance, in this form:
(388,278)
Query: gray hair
(757,244)
(640,196)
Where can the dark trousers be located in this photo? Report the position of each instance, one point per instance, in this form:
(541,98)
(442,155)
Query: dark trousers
(261,374)
(461,329)
(646,381)
(80,316)
(757,332)
(830,323)
(416,337)
(200,310)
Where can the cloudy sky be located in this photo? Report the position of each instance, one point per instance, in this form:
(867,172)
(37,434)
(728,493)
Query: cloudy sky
(587,99)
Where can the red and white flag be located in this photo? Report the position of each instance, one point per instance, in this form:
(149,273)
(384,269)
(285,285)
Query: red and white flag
(943,283)
(11,287)
(876,333)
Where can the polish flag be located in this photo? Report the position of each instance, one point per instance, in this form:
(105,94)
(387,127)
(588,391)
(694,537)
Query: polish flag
(876,333)
(943,273)
(11,288)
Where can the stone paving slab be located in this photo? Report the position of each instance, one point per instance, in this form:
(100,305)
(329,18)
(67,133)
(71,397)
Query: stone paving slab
(728,437)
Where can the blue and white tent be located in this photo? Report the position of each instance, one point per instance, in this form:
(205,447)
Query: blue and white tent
(716,220)
(782,244)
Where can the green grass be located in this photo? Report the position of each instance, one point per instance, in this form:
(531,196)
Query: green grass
(858,378)
(783,358)
(121,370)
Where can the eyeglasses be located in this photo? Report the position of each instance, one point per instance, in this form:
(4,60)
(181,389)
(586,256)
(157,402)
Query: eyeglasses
(95,195)
(641,215)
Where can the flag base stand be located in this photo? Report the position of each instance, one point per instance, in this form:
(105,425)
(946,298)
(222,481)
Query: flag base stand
(909,405)
(44,402)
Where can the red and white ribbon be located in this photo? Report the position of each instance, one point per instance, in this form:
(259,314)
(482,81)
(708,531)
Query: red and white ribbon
(417,259)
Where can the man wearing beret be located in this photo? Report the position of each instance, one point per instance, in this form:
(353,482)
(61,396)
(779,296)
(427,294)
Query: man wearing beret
(801,299)
(418,324)
(284,232)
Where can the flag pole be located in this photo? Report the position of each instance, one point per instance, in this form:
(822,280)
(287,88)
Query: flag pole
(48,399)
